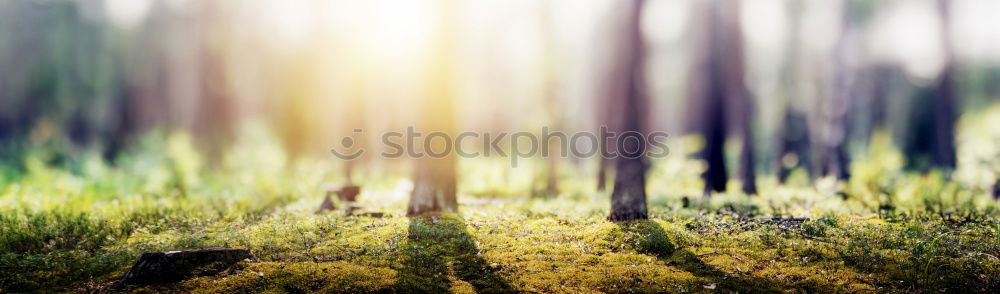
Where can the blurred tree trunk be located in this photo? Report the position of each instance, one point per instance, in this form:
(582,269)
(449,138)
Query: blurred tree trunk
(996,189)
(602,168)
(216,116)
(930,138)
(707,115)
(628,199)
(434,184)
(550,72)
(793,149)
(723,97)
(795,145)
(833,150)
(737,93)
(945,98)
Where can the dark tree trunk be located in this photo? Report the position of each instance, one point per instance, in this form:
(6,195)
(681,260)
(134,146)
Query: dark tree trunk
(945,99)
(725,101)
(628,199)
(996,189)
(930,141)
(794,150)
(714,124)
(709,115)
(434,184)
(737,93)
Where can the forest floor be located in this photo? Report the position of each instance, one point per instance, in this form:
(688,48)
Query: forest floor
(512,246)
(72,222)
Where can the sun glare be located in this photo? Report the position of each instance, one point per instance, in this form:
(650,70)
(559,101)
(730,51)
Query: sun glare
(396,30)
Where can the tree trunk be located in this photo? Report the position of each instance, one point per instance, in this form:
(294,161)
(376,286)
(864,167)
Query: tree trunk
(945,99)
(794,150)
(996,189)
(434,183)
(725,101)
(833,154)
(707,99)
(550,71)
(794,145)
(628,199)
(737,93)
(433,187)
(602,169)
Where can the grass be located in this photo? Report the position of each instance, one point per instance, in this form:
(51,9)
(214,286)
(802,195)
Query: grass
(499,248)
(76,225)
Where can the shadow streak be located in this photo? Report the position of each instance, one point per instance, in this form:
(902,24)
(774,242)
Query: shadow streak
(438,247)
(653,240)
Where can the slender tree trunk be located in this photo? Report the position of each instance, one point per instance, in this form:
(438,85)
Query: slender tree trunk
(795,145)
(714,130)
(833,155)
(628,199)
(550,71)
(708,98)
(748,174)
(793,149)
(725,101)
(434,184)
(996,189)
(945,98)
(602,169)
(737,93)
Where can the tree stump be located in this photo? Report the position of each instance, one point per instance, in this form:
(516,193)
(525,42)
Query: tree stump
(174,266)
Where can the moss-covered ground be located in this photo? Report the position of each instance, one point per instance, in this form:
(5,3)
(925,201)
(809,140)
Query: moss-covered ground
(75,223)
(532,246)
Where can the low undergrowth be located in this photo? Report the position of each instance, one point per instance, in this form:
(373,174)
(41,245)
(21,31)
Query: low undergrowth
(502,248)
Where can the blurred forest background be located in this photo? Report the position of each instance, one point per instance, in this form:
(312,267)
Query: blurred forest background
(845,144)
(106,78)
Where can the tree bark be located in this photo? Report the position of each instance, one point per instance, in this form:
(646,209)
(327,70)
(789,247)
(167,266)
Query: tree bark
(945,98)
(434,183)
(725,100)
(628,199)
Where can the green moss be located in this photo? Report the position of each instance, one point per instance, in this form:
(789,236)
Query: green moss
(892,232)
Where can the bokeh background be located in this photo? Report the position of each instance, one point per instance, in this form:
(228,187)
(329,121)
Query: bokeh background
(102,79)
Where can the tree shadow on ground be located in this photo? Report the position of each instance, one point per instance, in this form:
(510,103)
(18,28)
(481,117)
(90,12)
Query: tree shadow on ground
(439,248)
(653,240)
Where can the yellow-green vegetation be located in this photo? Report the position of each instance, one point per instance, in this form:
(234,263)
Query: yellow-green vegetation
(78,224)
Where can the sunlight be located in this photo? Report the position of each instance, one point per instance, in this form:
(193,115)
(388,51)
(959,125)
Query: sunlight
(911,33)
(396,30)
(127,13)
(290,22)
